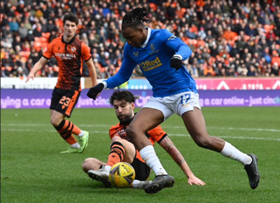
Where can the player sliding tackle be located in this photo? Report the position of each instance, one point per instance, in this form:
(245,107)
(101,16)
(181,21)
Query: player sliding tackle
(160,54)
(123,150)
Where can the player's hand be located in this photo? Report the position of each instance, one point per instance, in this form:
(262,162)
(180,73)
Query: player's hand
(176,62)
(193,180)
(31,75)
(94,91)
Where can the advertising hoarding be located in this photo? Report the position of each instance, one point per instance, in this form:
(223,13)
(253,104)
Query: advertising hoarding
(35,98)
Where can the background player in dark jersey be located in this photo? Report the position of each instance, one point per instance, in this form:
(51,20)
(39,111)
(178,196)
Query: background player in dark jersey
(123,150)
(159,53)
(70,52)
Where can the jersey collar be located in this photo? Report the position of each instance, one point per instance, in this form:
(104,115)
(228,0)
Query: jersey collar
(148,37)
(71,40)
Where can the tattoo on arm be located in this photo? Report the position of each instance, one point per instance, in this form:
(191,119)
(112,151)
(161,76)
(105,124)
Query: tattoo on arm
(168,145)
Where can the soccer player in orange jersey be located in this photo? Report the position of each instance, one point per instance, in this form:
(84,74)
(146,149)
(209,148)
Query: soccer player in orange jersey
(70,53)
(123,150)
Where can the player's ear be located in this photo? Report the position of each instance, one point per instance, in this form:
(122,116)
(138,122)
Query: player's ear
(140,29)
(132,105)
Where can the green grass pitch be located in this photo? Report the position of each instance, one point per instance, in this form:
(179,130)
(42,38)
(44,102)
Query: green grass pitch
(33,170)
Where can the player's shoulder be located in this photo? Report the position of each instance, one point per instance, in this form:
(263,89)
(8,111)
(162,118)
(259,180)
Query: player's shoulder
(57,40)
(160,31)
(115,127)
(160,34)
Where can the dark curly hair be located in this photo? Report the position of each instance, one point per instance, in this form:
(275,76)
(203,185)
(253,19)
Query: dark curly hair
(122,95)
(135,17)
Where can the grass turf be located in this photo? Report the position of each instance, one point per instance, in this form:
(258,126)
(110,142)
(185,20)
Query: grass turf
(32,170)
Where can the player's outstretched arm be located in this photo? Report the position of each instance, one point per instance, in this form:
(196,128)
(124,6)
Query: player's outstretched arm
(36,68)
(92,71)
(172,150)
(95,91)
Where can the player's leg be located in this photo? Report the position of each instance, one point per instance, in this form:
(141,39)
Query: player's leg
(61,125)
(142,172)
(94,168)
(195,123)
(92,164)
(146,119)
(62,105)
(120,150)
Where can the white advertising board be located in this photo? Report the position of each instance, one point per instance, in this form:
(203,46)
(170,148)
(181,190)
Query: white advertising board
(37,83)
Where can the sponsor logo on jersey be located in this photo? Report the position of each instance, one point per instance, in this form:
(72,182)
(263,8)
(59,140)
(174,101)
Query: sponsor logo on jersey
(172,37)
(122,134)
(136,53)
(150,65)
(65,56)
(152,47)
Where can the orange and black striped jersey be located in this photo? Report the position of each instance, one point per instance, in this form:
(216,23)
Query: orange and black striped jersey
(155,135)
(70,57)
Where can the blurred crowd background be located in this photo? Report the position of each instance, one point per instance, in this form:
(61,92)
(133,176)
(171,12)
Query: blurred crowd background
(228,38)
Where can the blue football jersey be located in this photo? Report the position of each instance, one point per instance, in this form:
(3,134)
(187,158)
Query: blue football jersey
(154,61)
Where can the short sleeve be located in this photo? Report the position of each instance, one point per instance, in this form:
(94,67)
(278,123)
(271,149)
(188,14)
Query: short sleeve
(48,52)
(85,52)
(157,133)
(114,131)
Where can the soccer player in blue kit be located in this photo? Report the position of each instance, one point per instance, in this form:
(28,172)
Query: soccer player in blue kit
(159,54)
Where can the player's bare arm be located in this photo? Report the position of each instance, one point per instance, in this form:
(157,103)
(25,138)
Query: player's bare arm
(38,66)
(92,71)
(172,150)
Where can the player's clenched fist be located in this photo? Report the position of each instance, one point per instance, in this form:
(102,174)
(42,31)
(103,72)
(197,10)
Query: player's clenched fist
(94,91)
(176,62)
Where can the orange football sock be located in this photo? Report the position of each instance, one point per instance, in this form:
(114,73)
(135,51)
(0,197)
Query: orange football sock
(65,129)
(116,154)
(76,130)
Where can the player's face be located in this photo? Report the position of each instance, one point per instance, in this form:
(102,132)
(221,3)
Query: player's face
(134,37)
(124,110)
(70,28)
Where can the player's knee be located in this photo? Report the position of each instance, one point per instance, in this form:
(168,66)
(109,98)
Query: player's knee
(55,122)
(52,121)
(131,132)
(90,164)
(85,165)
(204,142)
(117,139)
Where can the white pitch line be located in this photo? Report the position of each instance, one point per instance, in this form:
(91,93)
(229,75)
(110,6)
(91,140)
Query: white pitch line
(229,128)
(165,127)
(41,125)
(169,134)
(52,131)
(245,129)
(231,137)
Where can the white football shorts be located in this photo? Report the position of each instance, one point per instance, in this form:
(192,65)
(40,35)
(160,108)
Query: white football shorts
(178,103)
